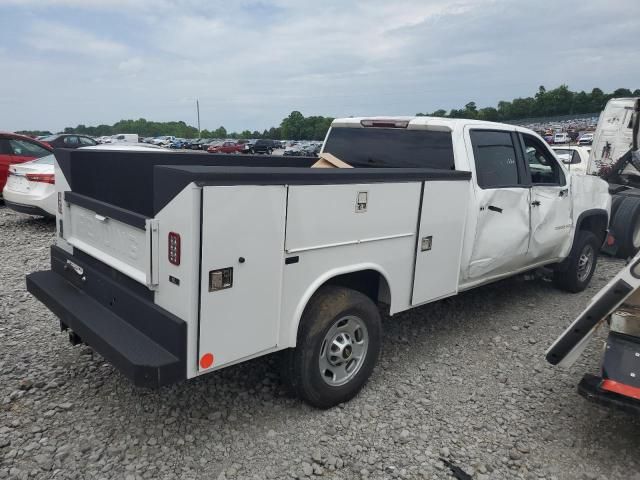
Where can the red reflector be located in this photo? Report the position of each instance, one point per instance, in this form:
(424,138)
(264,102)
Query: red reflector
(611,240)
(385,123)
(41,178)
(621,388)
(174,248)
(206,361)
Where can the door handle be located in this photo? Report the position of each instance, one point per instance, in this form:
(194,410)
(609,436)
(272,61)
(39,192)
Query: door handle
(535,203)
(494,209)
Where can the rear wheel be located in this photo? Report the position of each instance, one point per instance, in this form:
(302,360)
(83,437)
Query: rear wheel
(581,263)
(625,226)
(338,347)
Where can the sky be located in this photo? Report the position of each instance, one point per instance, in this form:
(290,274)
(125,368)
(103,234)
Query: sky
(250,63)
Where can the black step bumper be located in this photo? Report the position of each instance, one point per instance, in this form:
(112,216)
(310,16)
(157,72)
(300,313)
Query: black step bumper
(145,342)
(589,387)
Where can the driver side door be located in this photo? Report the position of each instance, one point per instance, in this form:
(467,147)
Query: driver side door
(551,212)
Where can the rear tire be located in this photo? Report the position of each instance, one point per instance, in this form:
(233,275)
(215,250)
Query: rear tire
(581,263)
(338,346)
(616,200)
(625,226)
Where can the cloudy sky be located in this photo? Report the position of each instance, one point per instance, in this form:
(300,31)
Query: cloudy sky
(67,62)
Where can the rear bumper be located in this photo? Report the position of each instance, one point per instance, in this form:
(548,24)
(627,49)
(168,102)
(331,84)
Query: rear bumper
(589,387)
(28,209)
(145,342)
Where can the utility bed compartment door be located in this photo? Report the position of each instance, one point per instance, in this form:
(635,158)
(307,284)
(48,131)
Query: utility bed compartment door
(241,273)
(439,246)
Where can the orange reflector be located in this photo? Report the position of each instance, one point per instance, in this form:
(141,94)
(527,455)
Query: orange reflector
(206,360)
(621,388)
(610,240)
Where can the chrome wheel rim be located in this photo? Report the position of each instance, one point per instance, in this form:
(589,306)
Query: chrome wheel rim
(343,350)
(585,262)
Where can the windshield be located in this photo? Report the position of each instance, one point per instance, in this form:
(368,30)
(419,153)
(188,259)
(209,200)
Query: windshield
(391,147)
(46,160)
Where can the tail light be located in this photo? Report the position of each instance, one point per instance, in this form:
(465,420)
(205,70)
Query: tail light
(41,178)
(174,248)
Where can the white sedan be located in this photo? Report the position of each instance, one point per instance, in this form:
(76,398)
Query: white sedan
(30,186)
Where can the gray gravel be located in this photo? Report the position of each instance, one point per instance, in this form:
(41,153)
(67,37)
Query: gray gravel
(462,381)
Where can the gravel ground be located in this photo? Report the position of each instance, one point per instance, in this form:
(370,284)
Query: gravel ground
(462,381)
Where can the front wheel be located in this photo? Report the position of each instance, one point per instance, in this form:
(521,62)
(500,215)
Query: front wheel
(581,263)
(338,346)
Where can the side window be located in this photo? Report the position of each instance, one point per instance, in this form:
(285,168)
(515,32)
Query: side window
(495,157)
(543,167)
(27,149)
(576,158)
(72,141)
(86,141)
(5,148)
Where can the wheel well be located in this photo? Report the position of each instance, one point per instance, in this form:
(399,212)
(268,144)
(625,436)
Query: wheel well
(369,282)
(596,224)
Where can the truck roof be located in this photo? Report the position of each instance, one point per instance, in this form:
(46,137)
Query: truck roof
(436,123)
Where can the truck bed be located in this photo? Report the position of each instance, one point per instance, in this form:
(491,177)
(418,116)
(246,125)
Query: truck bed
(134,186)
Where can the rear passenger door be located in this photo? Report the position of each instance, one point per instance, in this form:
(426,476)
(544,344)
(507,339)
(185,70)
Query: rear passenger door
(502,192)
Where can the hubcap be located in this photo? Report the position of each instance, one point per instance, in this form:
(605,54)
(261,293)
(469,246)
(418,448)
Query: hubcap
(343,350)
(585,262)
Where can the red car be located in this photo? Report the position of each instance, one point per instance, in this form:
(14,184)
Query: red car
(226,147)
(15,148)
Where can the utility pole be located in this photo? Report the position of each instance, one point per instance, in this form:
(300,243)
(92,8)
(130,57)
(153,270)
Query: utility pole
(198,110)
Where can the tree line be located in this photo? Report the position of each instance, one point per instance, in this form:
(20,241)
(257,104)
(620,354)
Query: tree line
(545,103)
(294,127)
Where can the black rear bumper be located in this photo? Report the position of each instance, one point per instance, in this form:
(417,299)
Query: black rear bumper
(28,209)
(145,342)
(589,387)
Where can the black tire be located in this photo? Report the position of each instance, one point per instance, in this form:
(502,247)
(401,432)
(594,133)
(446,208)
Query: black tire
(584,255)
(616,200)
(326,314)
(624,225)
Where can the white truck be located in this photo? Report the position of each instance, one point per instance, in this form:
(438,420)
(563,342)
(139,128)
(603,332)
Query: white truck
(615,157)
(174,265)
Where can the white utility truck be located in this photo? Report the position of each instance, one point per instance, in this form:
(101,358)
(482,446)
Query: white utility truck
(173,265)
(617,385)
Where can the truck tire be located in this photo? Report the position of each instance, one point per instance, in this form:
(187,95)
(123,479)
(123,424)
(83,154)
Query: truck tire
(338,346)
(616,200)
(625,226)
(581,263)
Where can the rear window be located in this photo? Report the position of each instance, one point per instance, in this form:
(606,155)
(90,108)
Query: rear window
(391,147)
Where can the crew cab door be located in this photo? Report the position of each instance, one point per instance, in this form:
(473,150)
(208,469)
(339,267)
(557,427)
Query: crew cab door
(550,201)
(502,199)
